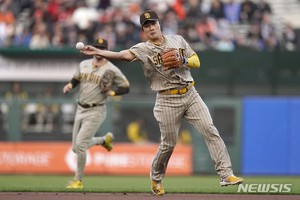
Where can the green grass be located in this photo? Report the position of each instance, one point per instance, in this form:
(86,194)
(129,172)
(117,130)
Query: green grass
(134,184)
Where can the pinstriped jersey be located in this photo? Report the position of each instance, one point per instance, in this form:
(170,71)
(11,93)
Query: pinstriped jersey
(90,76)
(148,54)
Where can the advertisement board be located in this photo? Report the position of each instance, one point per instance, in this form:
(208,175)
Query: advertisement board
(58,158)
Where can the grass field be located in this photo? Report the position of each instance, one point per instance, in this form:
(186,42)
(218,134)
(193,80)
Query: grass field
(134,184)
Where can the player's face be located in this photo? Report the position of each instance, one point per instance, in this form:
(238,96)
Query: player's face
(100,57)
(152,30)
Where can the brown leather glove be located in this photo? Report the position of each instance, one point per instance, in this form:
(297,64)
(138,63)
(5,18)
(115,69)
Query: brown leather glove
(171,58)
(107,80)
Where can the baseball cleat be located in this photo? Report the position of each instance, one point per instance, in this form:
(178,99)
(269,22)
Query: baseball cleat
(231,180)
(157,188)
(108,141)
(75,184)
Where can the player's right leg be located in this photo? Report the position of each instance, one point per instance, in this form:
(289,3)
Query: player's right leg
(168,113)
(75,183)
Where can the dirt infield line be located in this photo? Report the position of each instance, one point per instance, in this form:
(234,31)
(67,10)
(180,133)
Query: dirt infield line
(136,196)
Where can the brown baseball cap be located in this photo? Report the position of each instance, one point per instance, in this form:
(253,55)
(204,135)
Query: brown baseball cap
(148,15)
(100,43)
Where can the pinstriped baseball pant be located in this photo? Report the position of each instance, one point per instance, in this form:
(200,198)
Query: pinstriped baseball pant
(169,111)
(86,124)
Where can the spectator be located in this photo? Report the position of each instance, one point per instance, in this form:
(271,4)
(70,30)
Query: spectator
(23,39)
(53,9)
(104,4)
(16,92)
(239,41)
(71,36)
(264,7)
(223,29)
(83,15)
(65,13)
(272,42)
(247,11)
(267,28)
(108,34)
(254,38)
(289,37)
(216,10)
(40,38)
(170,23)
(7,23)
(179,9)
(225,44)
(193,12)
(232,11)
(134,16)
(132,35)
(58,39)
(206,28)
(205,7)
(121,35)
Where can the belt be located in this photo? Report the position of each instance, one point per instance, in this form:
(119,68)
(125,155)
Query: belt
(89,106)
(178,91)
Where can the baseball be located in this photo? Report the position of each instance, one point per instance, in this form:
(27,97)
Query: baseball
(79,45)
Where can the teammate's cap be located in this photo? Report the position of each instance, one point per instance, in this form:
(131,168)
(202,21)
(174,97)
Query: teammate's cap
(148,15)
(100,43)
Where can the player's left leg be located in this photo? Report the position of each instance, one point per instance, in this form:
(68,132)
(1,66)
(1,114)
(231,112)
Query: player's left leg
(198,115)
(92,119)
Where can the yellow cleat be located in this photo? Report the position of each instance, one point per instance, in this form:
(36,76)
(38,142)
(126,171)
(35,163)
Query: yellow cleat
(108,141)
(157,188)
(75,184)
(231,180)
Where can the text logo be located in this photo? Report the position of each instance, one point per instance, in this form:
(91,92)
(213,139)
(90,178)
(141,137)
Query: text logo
(261,188)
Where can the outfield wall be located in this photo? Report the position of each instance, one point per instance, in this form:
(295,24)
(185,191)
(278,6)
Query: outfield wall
(261,133)
(58,158)
(271,136)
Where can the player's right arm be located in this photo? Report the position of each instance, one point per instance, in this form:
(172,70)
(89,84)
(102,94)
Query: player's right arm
(110,55)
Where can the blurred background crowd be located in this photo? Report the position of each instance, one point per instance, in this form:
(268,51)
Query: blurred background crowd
(224,25)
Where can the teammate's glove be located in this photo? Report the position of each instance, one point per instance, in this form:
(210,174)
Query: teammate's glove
(106,81)
(172,58)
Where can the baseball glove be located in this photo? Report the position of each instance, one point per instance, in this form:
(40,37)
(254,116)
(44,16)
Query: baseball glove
(171,58)
(107,80)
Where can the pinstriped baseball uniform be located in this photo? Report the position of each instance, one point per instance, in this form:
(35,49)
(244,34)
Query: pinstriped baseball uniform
(88,120)
(169,108)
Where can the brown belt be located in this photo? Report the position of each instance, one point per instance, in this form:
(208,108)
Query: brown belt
(178,91)
(89,106)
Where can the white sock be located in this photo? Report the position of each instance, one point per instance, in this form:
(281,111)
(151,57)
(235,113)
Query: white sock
(96,141)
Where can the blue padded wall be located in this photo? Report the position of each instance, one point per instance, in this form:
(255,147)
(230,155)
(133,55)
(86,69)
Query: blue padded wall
(271,136)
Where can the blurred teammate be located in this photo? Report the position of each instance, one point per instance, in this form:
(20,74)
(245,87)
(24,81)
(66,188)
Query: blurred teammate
(176,98)
(91,109)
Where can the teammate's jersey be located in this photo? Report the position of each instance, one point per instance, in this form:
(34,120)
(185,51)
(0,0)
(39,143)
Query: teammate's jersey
(90,76)
(148,54)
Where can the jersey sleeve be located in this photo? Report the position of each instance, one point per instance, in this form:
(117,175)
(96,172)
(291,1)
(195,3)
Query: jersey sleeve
(137,51)
(119,79)
(189,51)
(77,72)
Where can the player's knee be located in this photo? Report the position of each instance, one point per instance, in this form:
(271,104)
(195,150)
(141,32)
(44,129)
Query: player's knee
(74,149)
(168,147)
(80,148)
(211,132)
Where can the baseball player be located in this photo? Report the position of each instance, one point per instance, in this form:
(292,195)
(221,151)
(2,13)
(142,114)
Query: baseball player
(91,109)
(166,62)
